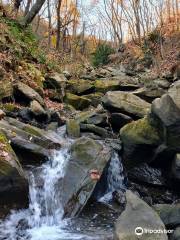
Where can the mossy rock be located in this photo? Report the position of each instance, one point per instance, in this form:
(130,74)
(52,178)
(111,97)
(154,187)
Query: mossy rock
(140,139)
(80,87)
(12,178)
(73,128)
(95,98)
(104,86)
(78,102)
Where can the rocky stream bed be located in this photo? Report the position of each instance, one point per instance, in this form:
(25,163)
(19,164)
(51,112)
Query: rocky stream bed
(98,168)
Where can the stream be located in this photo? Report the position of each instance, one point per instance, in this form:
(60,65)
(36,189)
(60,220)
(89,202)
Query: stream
(43,220)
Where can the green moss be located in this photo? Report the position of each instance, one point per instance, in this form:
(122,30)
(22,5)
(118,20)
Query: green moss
(78,102)
(73,128)
(5,142)
(8,107)
(106,85)
(32,131)
(140,132)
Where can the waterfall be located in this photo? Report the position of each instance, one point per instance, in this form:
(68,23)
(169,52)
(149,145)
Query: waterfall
(115,178)
(43,219)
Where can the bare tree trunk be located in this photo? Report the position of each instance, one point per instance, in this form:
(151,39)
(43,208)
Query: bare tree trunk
(27,7)
(58,24)
(33,12)
(49,23)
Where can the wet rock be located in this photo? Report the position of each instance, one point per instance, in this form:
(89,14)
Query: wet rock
(147,174)
(78,102)
(176,234)
(169,213)
(138,214)
(125,102)
(77,185)
(139,139)
(176,167)
(25,114)
(118,120)
(13,184)
(73,128)
(23,91)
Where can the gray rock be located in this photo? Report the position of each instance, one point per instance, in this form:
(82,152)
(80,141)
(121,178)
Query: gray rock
(147,174)
(176,234)
(37,109)
(55,81)
(138,214)
(77,185)
(95,129)
(166,114)
(73,128)
(23,90)
(149,93)
(118,120)
(32,145)
(174,92)
(140,139)
(176,167)
(13,184)
(169,213)
(126,103)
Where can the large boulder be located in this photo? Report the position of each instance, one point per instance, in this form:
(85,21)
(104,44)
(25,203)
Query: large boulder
(31,144)
(13,184)
(136,218)
(95,98)
(78,102)
(169,213)
(55,81)
(148,93)
(80,87)
(125,102)
(139,139)
(174,92)
(23,91)
(106,85)
(77,185)
(166,115)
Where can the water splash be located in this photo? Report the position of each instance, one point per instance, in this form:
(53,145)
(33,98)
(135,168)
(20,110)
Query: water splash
(115,178)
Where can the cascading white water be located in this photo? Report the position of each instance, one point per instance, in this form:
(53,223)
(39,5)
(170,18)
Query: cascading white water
(43,219)
(115,178)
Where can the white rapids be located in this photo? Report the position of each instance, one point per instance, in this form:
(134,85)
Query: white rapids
(43,219)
